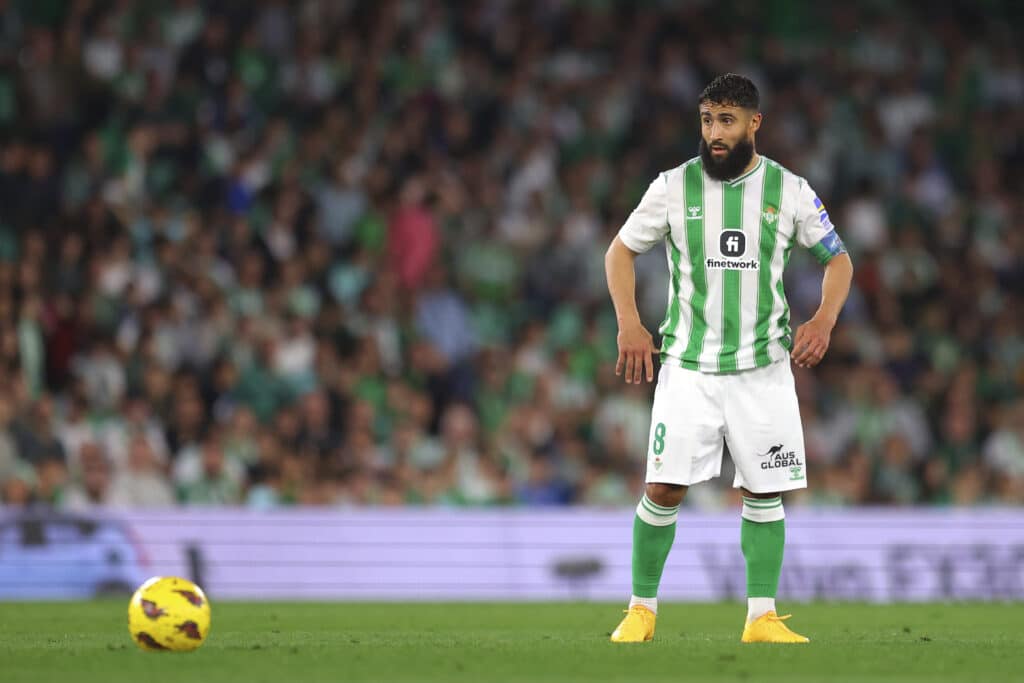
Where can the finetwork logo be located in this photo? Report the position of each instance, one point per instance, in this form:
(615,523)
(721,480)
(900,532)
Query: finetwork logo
(732,244)
(731,264)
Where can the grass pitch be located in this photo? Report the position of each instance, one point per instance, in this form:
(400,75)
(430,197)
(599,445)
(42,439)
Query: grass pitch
(285,642)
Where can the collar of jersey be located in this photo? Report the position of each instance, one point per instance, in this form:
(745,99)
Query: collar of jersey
(740,179)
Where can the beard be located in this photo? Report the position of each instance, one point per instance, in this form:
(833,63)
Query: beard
(729,166)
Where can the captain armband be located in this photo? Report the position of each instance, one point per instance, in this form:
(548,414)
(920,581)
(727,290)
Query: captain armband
(829,247)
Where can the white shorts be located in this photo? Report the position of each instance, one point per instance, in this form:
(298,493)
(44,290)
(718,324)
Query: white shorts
(755,412)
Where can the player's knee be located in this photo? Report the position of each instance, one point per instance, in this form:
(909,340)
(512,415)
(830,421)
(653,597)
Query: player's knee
(751,494)
(667,495)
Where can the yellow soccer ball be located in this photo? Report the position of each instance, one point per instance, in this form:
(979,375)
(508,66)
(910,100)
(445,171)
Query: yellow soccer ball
(168,613)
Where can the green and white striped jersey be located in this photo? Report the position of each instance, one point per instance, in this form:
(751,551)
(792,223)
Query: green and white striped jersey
(727,245)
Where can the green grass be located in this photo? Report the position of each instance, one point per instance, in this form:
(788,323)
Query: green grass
(286,642)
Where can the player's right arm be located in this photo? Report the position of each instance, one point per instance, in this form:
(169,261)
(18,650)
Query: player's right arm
(636,345)
(645,227)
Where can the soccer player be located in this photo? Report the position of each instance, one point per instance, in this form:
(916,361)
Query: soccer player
(729,219)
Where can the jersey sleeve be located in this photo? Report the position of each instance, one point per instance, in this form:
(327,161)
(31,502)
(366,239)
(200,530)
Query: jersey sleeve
(648,224)
(814,229)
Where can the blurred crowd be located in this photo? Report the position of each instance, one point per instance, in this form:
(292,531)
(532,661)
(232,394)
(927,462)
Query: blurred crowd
(344,253)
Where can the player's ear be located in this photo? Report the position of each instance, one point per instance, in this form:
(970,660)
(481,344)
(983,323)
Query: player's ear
(755,122)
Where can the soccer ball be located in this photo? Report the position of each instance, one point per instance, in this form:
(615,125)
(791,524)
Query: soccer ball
(168,613)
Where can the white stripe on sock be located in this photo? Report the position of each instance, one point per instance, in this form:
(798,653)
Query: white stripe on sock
(758,606)
(757,514)
(649,603)
(656,515)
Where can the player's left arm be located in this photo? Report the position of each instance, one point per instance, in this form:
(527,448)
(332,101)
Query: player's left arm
(814,230)
(812,338)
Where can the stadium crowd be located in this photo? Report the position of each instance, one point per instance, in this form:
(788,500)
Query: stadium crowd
(341,253)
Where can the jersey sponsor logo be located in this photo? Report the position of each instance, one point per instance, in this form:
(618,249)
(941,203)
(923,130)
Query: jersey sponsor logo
(732,243)
(712,263)
(823,214)
(770,215)
(694,213)
(778,457)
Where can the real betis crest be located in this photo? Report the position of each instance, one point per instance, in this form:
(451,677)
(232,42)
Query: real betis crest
(770,215)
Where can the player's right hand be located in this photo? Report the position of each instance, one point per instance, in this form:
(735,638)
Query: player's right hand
(636,353)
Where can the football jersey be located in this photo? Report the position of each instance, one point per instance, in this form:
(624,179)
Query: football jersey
(727,244)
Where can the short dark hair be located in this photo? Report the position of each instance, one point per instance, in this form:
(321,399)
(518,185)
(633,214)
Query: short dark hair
(732,89)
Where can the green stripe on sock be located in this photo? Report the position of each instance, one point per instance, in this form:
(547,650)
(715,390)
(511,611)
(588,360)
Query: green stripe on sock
(767,503)
(651,545)
(763,544)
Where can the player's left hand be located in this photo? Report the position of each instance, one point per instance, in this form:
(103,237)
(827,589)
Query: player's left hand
(811,342)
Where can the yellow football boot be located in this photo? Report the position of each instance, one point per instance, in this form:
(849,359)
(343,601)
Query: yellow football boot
(636,627)
(768,628)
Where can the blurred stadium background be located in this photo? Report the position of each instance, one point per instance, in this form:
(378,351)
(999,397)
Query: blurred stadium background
(338,265)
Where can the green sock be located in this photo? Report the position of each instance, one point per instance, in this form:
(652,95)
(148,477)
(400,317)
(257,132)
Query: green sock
(654,530)
(762,544)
